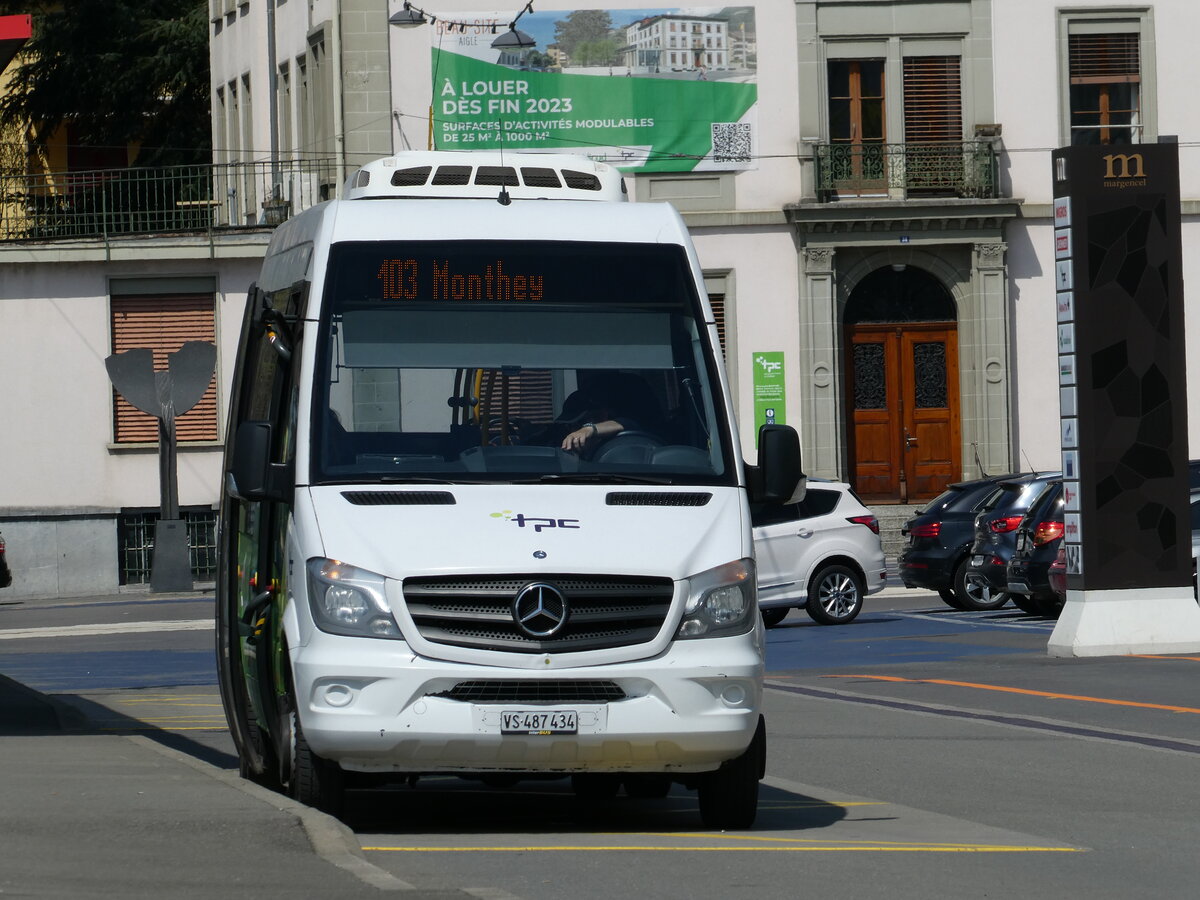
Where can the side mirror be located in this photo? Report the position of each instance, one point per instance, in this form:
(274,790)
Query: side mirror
(778,475)
(252,475)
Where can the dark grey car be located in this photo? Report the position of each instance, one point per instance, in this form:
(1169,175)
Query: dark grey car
(996,536)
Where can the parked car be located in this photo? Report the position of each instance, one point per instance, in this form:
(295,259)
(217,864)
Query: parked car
(5,571)
(1037,541)
(1057,573)
(986,579)
(823,554)
(938,539)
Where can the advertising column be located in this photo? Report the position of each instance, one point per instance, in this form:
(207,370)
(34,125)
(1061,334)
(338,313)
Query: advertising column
(1122,402)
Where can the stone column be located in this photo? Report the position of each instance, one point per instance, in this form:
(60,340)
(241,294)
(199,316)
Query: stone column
(821,427)
(987,389)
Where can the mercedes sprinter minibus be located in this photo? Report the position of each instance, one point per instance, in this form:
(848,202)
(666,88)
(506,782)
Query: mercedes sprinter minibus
(484,510)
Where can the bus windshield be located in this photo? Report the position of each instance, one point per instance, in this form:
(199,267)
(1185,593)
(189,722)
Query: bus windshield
(511,361)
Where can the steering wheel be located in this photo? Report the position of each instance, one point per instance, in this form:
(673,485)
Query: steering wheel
(627,446)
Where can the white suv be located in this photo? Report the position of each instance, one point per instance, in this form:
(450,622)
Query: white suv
(823,553)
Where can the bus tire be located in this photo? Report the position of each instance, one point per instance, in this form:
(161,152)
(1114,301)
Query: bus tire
(729,796)
(314,781)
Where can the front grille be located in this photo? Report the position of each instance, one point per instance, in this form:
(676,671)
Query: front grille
(549,691)
(476,611)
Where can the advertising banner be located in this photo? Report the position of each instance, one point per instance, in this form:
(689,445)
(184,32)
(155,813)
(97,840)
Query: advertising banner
(650,90)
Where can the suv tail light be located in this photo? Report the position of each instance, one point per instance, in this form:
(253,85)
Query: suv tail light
(870,521)
(1045,532)
(1002,525)
(928,530)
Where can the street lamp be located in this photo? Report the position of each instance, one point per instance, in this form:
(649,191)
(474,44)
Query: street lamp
(407,17)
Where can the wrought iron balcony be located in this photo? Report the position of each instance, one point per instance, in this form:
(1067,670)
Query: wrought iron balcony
(111,203)
(905,171)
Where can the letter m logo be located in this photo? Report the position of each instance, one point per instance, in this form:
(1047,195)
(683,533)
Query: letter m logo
(1117,165)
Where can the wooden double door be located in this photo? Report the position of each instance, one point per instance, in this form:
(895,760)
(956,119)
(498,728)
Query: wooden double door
(902,381)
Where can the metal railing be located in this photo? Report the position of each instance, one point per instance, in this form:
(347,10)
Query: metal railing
(106,203)
(904,171)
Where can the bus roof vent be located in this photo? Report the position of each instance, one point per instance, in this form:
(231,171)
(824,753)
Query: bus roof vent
(485,175)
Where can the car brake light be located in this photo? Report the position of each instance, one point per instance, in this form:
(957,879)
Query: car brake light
(929,530)
(1045,532)
(1008,523)
(870,521)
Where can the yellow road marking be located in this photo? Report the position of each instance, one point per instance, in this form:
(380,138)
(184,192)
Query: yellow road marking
(1053,695)
(1155,656)
(832,848)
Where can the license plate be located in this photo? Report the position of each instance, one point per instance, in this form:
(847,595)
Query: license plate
(1022,540)
(977,561)
(529,721)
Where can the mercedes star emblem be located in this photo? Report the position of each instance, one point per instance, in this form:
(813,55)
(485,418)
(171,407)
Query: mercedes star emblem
(540,610)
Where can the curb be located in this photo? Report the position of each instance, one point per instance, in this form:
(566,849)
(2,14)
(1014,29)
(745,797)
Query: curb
(330,839)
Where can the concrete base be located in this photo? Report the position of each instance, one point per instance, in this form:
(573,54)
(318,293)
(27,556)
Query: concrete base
(1120,622)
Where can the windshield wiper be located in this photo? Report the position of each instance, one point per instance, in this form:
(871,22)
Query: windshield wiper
(596,478)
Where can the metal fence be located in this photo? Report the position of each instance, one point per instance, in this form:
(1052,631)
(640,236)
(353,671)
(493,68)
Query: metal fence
(135,544)
(116,202)
(903,171)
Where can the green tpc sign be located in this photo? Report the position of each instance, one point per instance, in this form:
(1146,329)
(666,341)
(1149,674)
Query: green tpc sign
(770,392)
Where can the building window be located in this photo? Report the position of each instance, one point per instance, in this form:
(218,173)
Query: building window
(932,100)
(163,324)
(1105,88)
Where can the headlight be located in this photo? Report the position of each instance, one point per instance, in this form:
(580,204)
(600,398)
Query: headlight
(721,602)
(348,600)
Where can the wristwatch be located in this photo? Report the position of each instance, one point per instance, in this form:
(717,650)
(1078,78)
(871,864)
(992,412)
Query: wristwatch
(591,425)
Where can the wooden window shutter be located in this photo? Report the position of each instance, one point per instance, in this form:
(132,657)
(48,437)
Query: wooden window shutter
(1104,58)
(932,100)
(717,302)
(163,324)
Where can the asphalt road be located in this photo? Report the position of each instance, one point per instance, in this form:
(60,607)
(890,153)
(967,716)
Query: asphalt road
(919,752)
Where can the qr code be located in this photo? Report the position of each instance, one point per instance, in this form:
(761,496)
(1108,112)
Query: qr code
(731,141)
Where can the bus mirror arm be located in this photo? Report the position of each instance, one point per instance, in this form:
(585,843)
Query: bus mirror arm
(779,476)
(252,474)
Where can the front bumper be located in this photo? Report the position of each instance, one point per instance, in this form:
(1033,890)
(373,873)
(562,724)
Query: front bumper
(374,706)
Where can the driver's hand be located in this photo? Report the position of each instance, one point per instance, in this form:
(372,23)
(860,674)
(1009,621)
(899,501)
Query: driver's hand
(576,440)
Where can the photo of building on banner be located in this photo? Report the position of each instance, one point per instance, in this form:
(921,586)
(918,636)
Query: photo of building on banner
(651,90)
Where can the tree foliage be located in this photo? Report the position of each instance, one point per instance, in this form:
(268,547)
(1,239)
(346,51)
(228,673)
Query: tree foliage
(117,72)
(583,26)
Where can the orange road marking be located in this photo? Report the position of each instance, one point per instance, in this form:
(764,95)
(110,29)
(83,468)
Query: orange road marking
(1012,690)
(1152,656)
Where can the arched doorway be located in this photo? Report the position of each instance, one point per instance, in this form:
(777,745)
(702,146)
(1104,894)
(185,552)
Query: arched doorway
(902,386)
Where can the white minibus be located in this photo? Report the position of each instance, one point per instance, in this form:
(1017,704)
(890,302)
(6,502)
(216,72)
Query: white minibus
(484,511)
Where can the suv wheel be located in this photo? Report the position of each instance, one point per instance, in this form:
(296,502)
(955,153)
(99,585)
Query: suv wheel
(835,596)
(974,591)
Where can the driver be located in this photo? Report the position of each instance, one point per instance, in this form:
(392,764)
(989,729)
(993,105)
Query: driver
(608,403)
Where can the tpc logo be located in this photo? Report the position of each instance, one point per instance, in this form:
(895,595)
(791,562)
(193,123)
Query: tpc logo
(538,523)
(769,366)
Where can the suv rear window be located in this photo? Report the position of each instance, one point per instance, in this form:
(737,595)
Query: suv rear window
(816,502)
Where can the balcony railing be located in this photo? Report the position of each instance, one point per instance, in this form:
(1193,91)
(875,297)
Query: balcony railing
(118,202)
(904,171)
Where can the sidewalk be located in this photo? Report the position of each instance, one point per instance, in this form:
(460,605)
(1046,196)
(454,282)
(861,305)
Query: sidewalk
(92,814)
